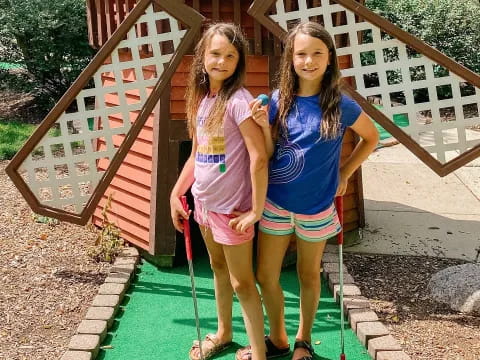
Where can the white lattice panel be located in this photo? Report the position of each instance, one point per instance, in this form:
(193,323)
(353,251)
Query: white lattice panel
(69,161)
(438,109)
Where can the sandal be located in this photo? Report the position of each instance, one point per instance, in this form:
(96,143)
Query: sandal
(302,344)
(210,347)
(273,351)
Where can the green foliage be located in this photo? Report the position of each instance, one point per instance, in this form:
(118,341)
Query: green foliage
(109,243)
(12,136)
(451,27)
(49,38)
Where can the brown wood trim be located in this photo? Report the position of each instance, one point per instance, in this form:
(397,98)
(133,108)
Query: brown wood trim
(120,15)
(160,169)
(101,22)
(110,17)
(257,30)
(180,11)
(178,130)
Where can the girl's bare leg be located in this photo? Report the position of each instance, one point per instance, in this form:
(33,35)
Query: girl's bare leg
(309,256)
(271,250)
(240,265)
(223,287)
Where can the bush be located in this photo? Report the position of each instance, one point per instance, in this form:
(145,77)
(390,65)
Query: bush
(49,38)
(451,27)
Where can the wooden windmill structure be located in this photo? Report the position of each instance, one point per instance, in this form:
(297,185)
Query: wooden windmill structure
(121,127)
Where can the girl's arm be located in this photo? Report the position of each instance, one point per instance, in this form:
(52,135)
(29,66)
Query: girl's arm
(258,174)
(260,115)
(368,133)
(184,182)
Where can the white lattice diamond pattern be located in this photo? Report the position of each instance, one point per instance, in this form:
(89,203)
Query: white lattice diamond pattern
(70,160)
(441,110)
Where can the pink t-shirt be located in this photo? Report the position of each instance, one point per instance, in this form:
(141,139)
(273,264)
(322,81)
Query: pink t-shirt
(222,164)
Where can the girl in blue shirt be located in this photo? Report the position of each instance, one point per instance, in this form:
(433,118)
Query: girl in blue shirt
(303,131)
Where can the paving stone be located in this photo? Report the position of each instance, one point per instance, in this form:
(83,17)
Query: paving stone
(93,327)
(125,260)
(348,290)
(125,268)
(112,289)
(119,278)
(355,302)
(392,355)
(331,248)
(101,313)
(330,257)
(77,355)
(106,300)
(329,268)
(129,251)
(334,279)
(370,330)
(83,342)
(383,343)
(357,316)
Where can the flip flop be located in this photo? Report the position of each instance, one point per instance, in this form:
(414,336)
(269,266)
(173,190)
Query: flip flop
(210,347)
(273,351)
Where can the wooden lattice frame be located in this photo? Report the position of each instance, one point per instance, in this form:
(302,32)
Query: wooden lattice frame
(353,29)
(143,29)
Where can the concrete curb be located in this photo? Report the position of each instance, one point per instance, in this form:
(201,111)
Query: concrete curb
(85,344)
(364,322)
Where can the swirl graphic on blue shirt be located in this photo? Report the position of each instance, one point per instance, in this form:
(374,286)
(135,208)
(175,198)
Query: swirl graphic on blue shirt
(288,163)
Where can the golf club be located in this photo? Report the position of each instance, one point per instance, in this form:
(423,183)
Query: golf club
(188,249)
(339,206)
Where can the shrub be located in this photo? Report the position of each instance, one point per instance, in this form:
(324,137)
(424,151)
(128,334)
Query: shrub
(451,27)
(49,38)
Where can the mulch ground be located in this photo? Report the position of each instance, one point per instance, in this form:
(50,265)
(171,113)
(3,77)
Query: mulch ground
(48,280)
(397,289)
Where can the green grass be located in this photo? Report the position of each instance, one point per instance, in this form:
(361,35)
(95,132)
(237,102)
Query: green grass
(12,136)
(8,66)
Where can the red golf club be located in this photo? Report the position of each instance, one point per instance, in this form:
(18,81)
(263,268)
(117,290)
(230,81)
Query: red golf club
(188,249)
(339,206)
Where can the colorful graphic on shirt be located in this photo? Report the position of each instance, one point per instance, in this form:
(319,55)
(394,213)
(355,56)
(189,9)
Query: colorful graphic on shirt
(211,148)
(292,160)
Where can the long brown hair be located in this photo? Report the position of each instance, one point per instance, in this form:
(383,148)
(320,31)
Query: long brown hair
(198,85)
(288,83)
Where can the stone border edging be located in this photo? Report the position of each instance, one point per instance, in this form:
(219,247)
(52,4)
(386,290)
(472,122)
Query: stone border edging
(91,332)
(364,322)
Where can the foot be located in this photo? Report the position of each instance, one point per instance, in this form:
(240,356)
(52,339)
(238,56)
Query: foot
(302,350)
(211,346)
(273,351)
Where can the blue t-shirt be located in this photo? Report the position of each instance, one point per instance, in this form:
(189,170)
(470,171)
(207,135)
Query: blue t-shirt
(304,170)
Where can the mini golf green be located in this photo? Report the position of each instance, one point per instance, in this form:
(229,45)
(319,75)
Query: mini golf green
(156,320)
(400,120)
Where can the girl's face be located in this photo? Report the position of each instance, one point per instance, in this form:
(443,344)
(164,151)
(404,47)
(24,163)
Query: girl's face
(310,58)
(221,59)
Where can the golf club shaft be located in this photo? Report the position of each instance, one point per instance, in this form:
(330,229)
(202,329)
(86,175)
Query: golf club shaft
(339,206)
(188,249)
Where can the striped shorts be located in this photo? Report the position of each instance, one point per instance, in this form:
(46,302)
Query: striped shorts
(314,228)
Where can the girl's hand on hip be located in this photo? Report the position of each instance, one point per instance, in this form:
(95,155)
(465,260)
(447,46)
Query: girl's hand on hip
(342,184)
(243,221)
(177,213)
(259,113)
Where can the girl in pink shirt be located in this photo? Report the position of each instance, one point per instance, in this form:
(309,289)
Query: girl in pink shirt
(227,170)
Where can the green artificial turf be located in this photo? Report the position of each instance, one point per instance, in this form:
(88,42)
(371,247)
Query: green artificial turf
(156,320)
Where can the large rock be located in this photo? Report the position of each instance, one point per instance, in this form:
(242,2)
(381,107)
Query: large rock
(459,287)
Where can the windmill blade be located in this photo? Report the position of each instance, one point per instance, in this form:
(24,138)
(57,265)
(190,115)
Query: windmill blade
(65,166)
(395,77)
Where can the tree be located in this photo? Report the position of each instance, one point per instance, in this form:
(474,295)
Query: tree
(50,39)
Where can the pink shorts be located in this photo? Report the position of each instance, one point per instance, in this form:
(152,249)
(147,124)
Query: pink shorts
(218,223)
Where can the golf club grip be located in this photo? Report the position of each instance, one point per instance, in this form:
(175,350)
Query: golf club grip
(186,230)
(339,207)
